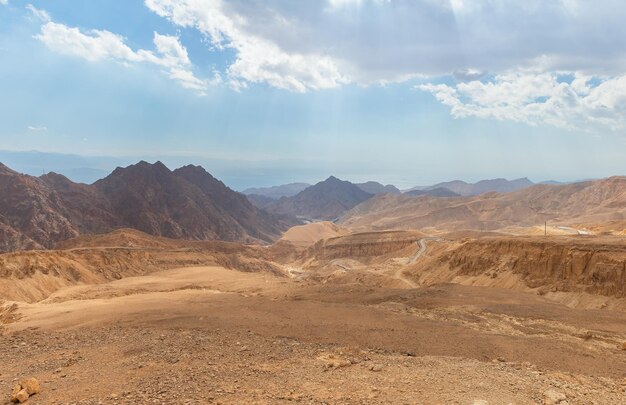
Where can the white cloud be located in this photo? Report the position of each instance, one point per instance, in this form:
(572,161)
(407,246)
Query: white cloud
(505,54)
(97,45)
(4,2)
(41,15)
(334,4)
(257,59)
(564,100)
(37,128)
(342,4)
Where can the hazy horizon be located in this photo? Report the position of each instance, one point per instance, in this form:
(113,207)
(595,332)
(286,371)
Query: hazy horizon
(268,93)
(87,169)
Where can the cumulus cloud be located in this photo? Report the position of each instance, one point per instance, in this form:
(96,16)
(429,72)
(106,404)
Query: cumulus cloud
(507,56)
(564,100)
(97,45)
(4,2)
(258,59)
(389,41)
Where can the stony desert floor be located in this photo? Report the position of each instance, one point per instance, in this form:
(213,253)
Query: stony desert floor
(211,335)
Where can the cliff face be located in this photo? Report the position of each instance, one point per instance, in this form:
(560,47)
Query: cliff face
(554,265)
(34,275)
(364,245)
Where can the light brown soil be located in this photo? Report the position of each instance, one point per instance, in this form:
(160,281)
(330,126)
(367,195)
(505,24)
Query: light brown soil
(208,334)
(332,324)
(306,235)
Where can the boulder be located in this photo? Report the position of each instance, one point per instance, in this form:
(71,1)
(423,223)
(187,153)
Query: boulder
(552,397)
(24,389)
(31,385)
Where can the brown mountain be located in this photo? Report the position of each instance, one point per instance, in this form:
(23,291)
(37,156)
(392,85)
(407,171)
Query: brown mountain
(30,212)
(187,203)
(325,200)
(588,203)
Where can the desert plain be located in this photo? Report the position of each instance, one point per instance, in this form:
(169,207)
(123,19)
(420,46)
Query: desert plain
(322,316)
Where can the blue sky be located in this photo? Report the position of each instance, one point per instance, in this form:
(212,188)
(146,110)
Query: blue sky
(274,91)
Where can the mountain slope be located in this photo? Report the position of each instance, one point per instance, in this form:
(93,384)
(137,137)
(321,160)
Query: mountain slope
(593,202)
(189,203)
(325,200)
(30,212)
(260,201)
(253,221)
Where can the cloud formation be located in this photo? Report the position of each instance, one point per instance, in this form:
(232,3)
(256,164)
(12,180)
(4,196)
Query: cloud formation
(571,101)
(41,15)
(505,59)
(258,59)
(97,45)
(37,128)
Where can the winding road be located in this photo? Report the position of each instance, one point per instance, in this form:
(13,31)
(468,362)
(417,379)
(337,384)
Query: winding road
(399,274)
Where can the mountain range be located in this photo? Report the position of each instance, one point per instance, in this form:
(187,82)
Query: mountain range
(373,187)
(585,203)
(187,203)
(463,188)
(433,192)
(331,198)
(277,192)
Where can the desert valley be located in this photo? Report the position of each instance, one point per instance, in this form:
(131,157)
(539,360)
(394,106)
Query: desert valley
(326,202)
(168,287)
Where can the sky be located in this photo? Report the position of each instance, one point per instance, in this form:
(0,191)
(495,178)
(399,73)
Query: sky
(266,92)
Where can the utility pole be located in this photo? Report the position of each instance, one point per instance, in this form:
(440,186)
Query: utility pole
(545,228)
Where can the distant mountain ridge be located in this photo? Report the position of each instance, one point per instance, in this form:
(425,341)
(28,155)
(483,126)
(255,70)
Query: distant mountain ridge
(463,188)
(588,203)
(277,192)
(433,192)
(374,187)
(187,203)
(325,200)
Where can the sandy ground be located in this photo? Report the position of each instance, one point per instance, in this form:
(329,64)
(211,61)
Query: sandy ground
(306,235)
(212,335)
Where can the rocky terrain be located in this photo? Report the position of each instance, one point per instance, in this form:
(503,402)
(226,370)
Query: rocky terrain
(326,314)
(212,335)
(187,203)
